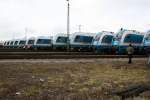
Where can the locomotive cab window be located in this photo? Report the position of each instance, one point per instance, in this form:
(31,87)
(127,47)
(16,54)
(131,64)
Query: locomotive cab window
(43,41)
(133,38)
(84,39)
(7,43)
(147,37)
(11,43)
(107,39)
(62,39)
(16,42)
(22,42)
(31,41)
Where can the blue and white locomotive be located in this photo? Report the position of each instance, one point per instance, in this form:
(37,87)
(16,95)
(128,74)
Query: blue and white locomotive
(103,42)
(42,42)
(11,44)
(4,44)
(81,41)
(125,37)
(16,43)
(22,43)
(60,41)
(7,44)
(30,43)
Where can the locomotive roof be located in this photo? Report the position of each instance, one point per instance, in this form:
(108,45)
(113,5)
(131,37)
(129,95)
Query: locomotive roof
(83,33)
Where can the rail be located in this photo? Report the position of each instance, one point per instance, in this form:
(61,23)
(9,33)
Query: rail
(59,55)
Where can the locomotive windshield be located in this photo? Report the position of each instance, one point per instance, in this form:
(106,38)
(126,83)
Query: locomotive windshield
(22,42)
(147,37)
(11,43)
(107,39)
(133,38)
(7,43)
(83,39)
(43,41)
(16,42)
(62,39)
(31,41)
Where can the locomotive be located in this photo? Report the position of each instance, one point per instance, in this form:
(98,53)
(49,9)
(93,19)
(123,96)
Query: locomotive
(125,37)
(102,42)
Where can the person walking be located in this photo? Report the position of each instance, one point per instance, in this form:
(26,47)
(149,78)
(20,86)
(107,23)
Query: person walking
(130,51)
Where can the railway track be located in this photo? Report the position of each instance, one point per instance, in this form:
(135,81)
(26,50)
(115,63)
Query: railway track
(48,53)
(19,53)
(20,50)
(58,55)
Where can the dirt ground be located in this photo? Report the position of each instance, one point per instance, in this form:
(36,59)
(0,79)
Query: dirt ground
(76,79)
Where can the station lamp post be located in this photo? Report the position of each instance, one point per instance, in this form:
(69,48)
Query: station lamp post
(68,24)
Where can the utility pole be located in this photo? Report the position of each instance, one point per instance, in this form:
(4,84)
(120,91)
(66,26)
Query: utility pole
(68,24)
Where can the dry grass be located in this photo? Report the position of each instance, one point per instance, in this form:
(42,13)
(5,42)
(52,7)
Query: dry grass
(69,81)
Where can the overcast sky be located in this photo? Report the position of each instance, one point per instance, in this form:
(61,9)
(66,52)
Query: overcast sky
(48,17)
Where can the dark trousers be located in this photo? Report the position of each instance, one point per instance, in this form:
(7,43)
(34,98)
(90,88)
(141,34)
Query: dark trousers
(130,58)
